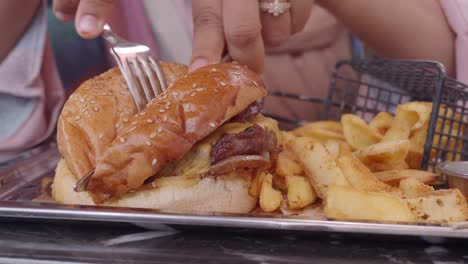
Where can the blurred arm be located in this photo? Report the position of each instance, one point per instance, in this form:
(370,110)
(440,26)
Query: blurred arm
(399,29)
(15,17)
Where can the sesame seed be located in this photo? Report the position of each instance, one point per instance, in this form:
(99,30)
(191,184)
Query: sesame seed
(148,143)
(167,107)
(194,85)
(122,140)
(212,125)
(125,120)
(131,129)
(95,109)
(222,84)
(142,113)
(168,103)
(134,122)
(149,121)
(162,110)
(165,97)
(117,125)
(72,96)
(77,118)
(165,118)
(199,89)
(192,94)
(159,129)
(255,83)
(213,69)
(152,135)
(92,101)
(82,100)
(154,162)
(153,184)
(100,136)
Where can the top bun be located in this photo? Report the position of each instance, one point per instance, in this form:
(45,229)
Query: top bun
(95,113)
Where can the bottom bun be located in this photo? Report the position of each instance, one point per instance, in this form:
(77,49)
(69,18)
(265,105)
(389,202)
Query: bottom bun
(226,194)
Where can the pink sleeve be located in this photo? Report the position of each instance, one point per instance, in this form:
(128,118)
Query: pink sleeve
(456,12)
(29,72)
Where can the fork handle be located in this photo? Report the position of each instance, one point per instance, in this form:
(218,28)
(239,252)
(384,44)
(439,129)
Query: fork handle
(110,36)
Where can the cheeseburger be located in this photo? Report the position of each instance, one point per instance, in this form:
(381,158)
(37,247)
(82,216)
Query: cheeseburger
(199,146)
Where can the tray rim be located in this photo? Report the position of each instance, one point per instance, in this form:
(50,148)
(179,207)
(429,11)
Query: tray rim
(160,220)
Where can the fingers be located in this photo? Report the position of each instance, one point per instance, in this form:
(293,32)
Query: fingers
(65,10)
(91,17)
(208,38)
(300,13)
(275,29)
(243,32)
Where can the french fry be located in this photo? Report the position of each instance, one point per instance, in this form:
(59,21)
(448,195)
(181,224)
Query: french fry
(381,122)
(411,187)
(318,165)
(357,133)
(421,109)
(416,148)
(287,136)
(270,198)
(384,155)
(442,206)
(300,193)
(287,165)
(321,134)
(360,177)
(401,126)
(347,203)
(333,148)
(333,126)
(256,185)
(393,177)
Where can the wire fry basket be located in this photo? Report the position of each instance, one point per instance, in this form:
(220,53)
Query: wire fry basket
(368,87)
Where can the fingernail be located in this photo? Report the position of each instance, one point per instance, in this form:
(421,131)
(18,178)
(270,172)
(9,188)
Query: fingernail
(88,25)
(198,63)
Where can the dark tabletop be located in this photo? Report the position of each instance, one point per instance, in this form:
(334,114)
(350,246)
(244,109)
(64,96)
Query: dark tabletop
(41,242)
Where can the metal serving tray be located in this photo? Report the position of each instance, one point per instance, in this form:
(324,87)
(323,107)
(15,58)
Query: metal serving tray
(392,83)
(21,183)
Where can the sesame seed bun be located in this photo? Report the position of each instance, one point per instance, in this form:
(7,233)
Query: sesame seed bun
(99,129)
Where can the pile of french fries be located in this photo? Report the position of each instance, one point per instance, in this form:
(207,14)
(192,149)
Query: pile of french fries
(362,171)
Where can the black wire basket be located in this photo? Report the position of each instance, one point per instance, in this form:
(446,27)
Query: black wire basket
(368,87)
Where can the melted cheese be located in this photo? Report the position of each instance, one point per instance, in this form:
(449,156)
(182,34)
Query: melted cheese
(197,160)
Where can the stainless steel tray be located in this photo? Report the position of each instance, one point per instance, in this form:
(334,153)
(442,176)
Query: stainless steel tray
(20,184)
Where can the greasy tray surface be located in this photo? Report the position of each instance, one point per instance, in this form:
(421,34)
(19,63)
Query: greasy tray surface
(19,184)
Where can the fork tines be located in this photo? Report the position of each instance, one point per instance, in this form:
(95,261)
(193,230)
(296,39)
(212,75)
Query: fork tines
(145,79)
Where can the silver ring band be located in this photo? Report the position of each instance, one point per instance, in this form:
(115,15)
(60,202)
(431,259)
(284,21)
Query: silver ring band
(276,7)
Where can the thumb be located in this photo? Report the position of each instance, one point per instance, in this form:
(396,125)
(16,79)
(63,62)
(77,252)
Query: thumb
(91,17)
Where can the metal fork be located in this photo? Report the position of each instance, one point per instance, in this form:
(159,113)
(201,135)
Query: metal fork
(143,74)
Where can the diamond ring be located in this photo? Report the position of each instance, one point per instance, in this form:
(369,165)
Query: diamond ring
(276,7)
